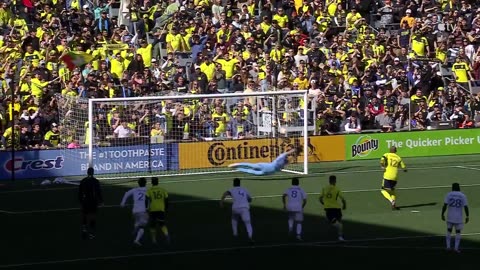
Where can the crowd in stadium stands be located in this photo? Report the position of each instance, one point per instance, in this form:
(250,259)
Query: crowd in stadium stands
(368,64)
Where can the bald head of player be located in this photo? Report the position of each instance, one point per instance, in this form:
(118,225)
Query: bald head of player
(393,149)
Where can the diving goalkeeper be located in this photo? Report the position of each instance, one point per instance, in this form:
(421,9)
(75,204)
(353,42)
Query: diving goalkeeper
(264,168)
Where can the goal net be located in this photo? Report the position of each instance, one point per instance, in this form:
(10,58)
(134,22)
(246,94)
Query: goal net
(124,138)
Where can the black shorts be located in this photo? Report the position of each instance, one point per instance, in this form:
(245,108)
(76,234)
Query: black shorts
(157,217)
(389,184)
(89,208)
(333,214)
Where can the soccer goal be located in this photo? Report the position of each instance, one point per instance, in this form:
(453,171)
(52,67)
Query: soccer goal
(185,135)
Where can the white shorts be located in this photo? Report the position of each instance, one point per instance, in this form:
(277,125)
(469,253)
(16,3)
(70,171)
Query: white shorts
(241,213)
(458,226)
(141,219)
(296,215)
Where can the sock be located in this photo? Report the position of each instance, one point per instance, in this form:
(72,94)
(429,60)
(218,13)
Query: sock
(386,194)
(290,225)
(234,227)
(448,238)
(164,230)
(140,232)
(249,228)
(458,236)
(339,227)
(392,195)
(153,233)
(299,229)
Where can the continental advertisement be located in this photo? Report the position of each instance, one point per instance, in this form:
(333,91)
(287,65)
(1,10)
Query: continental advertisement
(223,153)
(413,144)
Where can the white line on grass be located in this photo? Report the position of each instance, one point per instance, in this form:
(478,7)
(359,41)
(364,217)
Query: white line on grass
(331,171)
(468,168)
(196,251)
(254,197)
(391,247)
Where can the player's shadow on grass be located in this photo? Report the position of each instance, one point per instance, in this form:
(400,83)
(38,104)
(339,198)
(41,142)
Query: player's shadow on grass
(201,233)
(417,205)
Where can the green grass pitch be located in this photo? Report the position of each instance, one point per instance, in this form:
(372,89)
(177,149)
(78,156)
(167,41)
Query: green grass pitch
(40,225)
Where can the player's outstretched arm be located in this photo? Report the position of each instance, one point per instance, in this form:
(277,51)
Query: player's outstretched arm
(284,201)
(467,214)
(224,196)
(291,151)
(125,198)
(444,208)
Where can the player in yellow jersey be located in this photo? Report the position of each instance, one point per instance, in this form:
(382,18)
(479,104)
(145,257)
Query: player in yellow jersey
(390,163)
(329,199)
(157,205)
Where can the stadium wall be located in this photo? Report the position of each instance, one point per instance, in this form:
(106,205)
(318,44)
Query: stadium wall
(413,144)
(223,153)
(73,162)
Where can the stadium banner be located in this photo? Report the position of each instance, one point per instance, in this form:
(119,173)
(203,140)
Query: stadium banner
(74,162)
(413,144)
(223,153)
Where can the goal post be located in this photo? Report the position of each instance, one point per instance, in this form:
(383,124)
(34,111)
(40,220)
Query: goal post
(197,134)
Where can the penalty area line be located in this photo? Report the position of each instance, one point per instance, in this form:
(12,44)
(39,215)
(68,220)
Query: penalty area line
(468,168)
(214,200)
(196,251)
(392,247)
(278,177)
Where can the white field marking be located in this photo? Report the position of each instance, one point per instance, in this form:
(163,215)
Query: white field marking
(196,251)
(6,212)
(254,197)
(392,247)
(331,171)
(269,177)
(468,168)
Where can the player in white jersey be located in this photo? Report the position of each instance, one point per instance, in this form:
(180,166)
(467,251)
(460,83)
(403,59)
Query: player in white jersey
(240,207)
(139,208)
(456,202)
(294,200)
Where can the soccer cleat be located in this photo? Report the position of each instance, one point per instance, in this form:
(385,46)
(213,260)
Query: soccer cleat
(299,238)
(341,239)
(137,243)
(154,241)
(456,250)
(91,236)
(251,242)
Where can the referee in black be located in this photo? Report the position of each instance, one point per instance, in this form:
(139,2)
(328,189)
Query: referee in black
(90,197)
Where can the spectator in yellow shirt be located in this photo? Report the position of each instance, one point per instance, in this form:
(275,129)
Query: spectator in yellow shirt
(408,18)
(301,81)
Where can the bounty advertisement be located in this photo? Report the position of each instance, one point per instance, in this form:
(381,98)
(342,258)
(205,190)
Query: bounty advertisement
(73,162)
(222,153)
(413,144)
